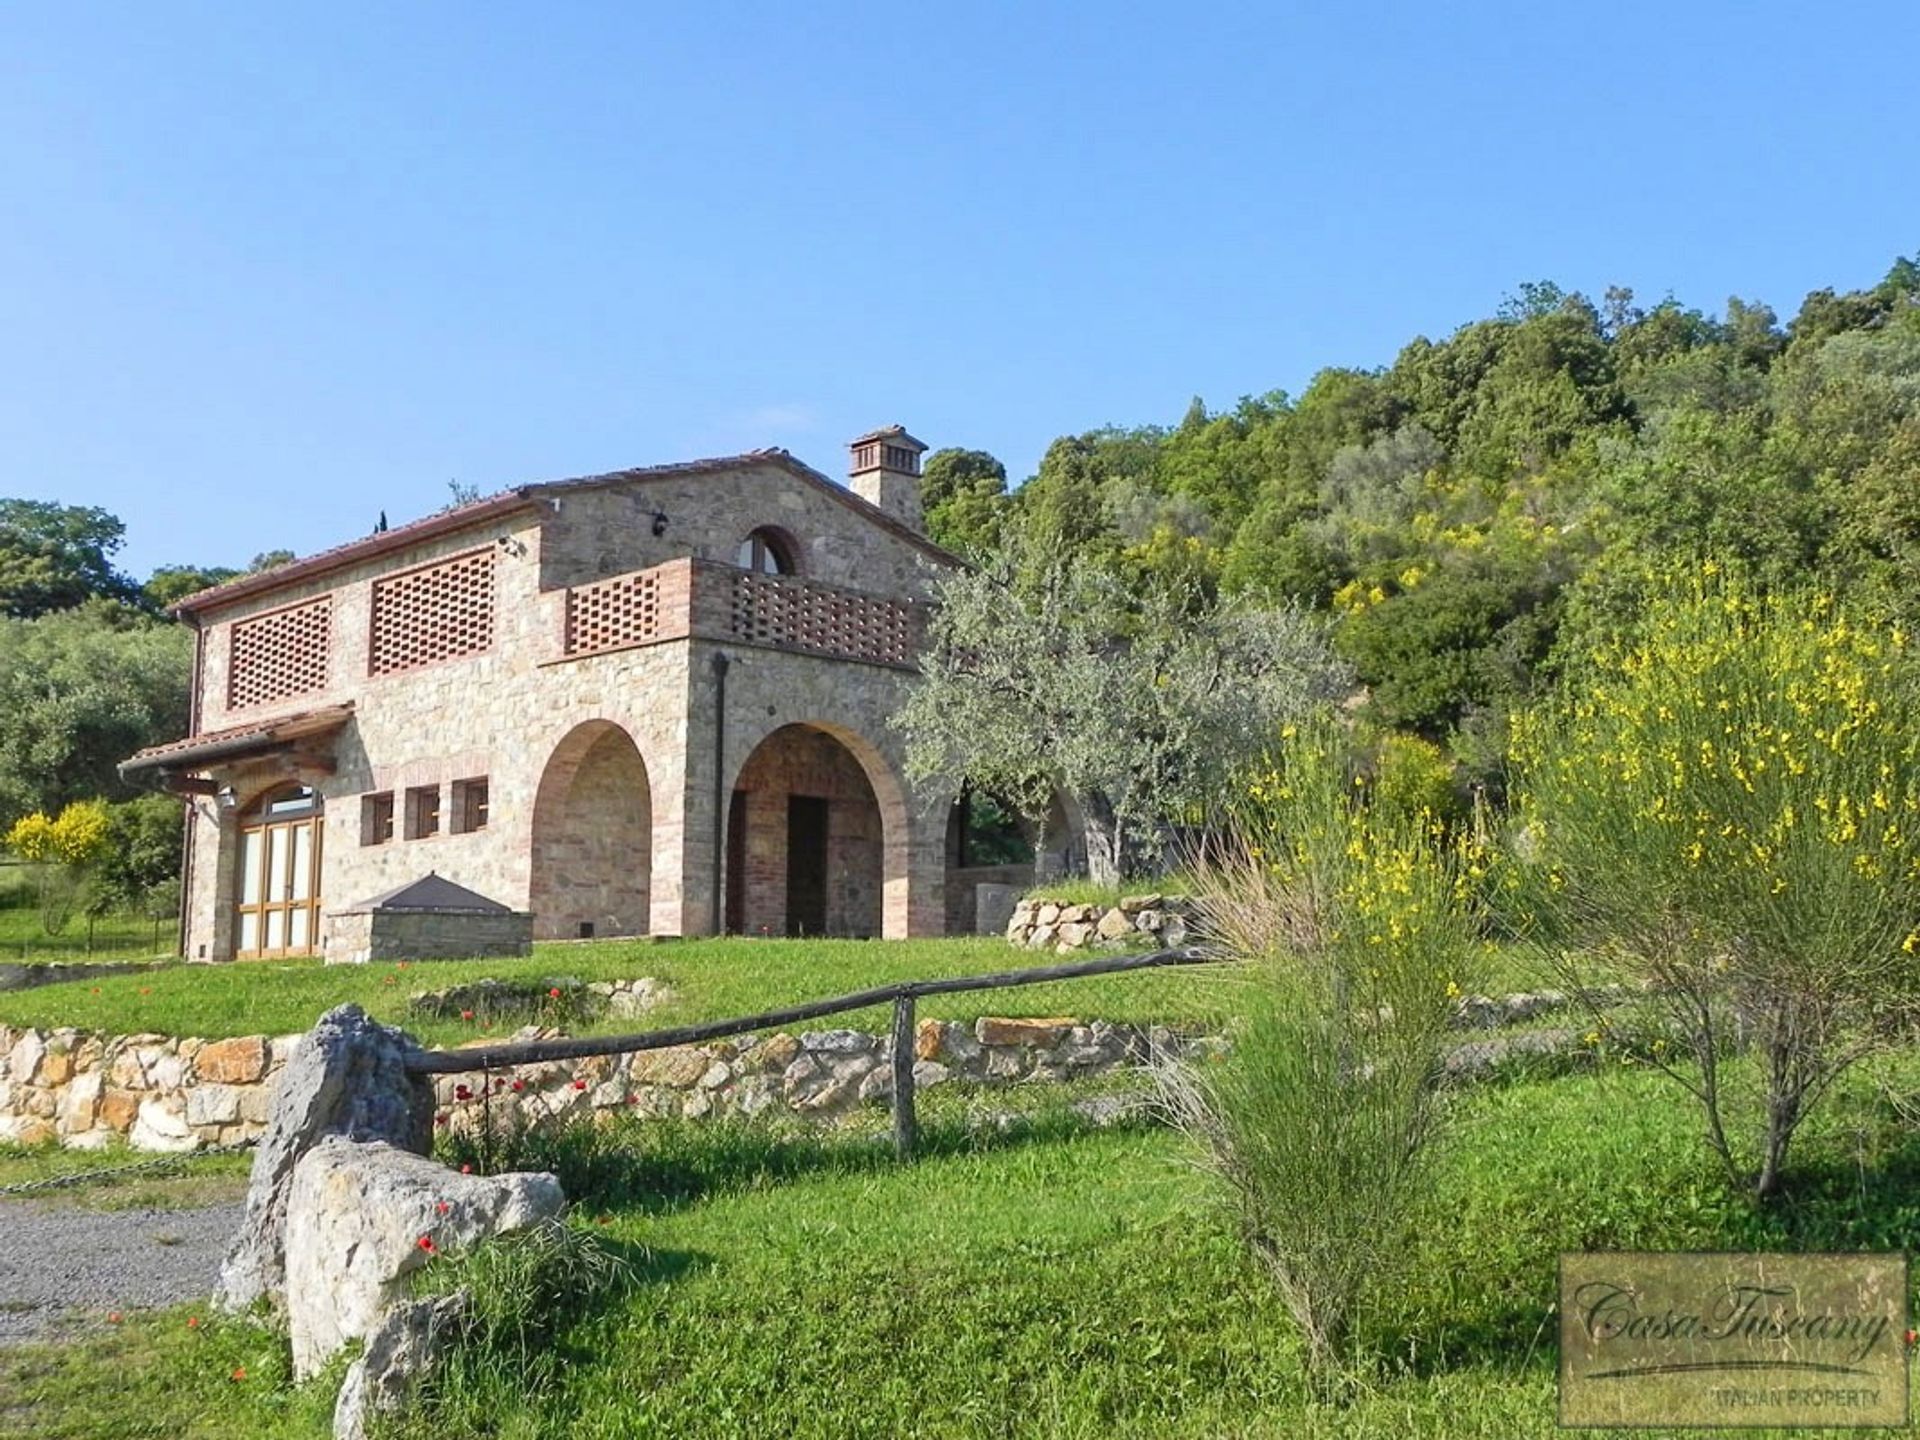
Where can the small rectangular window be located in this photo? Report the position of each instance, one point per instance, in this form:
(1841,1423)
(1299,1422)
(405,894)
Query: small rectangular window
(376,818)
(423,811)
(469,805)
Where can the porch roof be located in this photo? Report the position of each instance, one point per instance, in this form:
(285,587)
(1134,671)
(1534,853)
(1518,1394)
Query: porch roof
(239,742)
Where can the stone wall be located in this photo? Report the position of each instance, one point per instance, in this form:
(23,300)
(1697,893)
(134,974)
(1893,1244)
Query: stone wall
(360,936)
(154,1091)
(1138,921)
(161,1093)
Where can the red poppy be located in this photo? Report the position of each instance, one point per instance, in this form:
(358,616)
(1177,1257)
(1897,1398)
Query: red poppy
(442,1206)
(439,1119)
(466,1014)
(425,1242)
(466,1169)
(579,1084)
(633,1099)
(461,1092)
(193,1322)
(239,1373)
(519,1085)
(113,1317)
(554,993)
(1913,1336)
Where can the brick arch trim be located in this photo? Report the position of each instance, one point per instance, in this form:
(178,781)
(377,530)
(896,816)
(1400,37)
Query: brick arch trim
(592,855)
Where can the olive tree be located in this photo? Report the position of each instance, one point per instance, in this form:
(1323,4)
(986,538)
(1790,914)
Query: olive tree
(1138,705)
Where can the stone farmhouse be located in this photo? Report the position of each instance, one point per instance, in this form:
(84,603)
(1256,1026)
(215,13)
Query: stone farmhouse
(648,702)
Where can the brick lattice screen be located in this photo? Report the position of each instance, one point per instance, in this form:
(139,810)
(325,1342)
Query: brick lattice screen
(614,614)
(439,613)
(795,615)
(273,657)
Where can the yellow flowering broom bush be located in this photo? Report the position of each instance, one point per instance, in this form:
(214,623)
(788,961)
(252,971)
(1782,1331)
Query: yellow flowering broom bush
(1357,925)
(1726,810)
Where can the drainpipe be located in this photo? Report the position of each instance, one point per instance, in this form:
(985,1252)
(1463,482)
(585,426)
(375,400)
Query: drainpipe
(721,660)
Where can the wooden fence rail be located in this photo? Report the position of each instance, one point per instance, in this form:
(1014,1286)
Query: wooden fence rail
(902,994)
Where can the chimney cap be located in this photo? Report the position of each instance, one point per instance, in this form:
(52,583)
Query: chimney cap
(893,435)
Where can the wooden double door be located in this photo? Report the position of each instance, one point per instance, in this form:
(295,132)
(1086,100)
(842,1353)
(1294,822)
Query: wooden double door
(277,910)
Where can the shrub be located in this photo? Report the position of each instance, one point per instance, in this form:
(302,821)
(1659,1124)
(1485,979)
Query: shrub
(63,850)
(1725,809)
(1357,925)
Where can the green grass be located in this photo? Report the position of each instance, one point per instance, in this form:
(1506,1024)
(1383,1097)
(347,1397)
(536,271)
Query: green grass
(1045,1282)
(712,979)
(1078,890)
(185,1180)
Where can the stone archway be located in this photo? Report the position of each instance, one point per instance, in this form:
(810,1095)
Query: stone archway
(592,844)
(814,846)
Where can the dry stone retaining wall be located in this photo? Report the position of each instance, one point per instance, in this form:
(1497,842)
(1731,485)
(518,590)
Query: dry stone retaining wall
(1064,926)
(162,1093)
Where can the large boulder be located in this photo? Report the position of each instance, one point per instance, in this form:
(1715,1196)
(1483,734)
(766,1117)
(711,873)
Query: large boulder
(363,1217)
(346,1077)
(400,1353)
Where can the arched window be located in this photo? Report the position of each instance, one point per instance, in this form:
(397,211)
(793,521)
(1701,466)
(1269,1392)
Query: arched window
(767,551)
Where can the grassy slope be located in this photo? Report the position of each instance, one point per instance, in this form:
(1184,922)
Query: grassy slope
(1058,1284)
(713,979)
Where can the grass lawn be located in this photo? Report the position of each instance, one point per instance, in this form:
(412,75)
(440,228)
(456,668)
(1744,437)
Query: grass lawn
(712,979)
(1052,1282)
(186,1180)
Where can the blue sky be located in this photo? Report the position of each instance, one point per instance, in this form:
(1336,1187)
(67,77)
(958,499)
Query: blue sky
(266,271)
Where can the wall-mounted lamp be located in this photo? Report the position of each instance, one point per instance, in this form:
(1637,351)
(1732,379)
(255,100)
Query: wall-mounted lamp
(659,523)
(226,798)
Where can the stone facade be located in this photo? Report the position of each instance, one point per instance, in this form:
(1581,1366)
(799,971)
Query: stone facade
(558,697)
(364,935)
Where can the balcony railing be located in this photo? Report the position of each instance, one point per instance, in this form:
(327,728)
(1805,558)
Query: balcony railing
(712,601)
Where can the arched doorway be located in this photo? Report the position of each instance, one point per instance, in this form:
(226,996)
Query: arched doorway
(277,890)
(592,837)
(807,844)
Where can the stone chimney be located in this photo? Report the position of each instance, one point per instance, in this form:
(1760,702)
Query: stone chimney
(886,472)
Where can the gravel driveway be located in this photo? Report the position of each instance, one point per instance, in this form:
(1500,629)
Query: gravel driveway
(62,1261)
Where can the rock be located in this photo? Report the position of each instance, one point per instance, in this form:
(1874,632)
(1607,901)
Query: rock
(401,1351)
(1042,937)
(24,1130)
(678,1067)
(717,1075)
(1114,925)
(1149,921)
(957,1045)
(992,1030)
(213,1105)
(1076,914)
(927,1073)
(158,1128)
(356,1215)
(88,1140)
(838,1042)
(80,1106)
(926,1039)
(637,997)
(28,1051)
(233,1062)
(1073,934)
(1005,1064)
(776,1052)
(878,1085)
(346,1077)
(118,1108)
(1047,915)
(1134,904)
(57,1068)
(1173,933)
